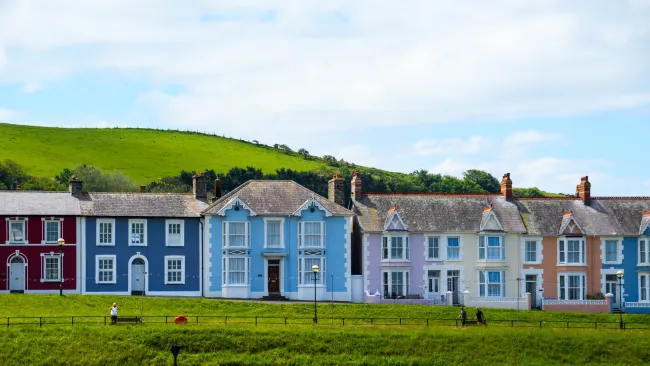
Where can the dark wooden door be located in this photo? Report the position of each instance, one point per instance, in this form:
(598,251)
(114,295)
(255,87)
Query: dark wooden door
(274,279)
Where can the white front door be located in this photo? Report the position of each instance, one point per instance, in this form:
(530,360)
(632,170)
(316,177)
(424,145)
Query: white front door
(137,277)
(17,275)
(611,287)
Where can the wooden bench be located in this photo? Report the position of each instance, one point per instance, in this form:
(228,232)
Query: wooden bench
(129,319)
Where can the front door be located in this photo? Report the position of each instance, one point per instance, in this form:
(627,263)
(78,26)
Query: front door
(611,287)
(17,275)
(531,288)
(273,276)
(434,285)
(452,285)
(137,276)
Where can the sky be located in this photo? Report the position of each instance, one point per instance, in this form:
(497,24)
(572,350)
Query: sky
(548,91)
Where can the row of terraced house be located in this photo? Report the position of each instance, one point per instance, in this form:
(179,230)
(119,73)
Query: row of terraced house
(264,238)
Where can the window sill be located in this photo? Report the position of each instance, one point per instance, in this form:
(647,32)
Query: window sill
(311,286)
(396,261)
(229,247)
(235,286)
(105,283)
(643,264)
(454,260)
(267,247)
(174,283)
(16,242)
(175,245)
(137,245)
(531,263)
(434,259)
(571,265)
(491,260)
(311,248)
(106,245)
(56,281)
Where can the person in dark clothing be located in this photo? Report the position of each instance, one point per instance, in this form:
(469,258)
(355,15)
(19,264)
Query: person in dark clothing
(480,319)
(462,316)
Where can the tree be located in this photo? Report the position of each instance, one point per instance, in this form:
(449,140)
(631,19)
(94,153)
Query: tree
(330,160)
(12,174)
(96,181)
(304,153)
(485,180)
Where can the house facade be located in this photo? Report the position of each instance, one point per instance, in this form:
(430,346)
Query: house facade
(264,237)
(143,243)
(31,224)
(440,248)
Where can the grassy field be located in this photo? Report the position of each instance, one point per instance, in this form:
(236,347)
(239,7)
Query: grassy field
(212,344)
(144,155)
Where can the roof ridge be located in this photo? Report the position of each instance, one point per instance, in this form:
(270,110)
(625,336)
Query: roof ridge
(415,194)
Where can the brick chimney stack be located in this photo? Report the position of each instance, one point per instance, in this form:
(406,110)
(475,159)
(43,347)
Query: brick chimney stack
(336,190)
(583,190)
(75,186)
(506,186)
(217,189)
(200,187)
(356,186)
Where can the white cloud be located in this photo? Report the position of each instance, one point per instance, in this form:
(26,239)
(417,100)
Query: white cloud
(7,115)
(473,145)
(529,137)
(31,87)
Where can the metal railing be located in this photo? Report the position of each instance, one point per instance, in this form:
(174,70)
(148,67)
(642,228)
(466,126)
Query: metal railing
(41,321)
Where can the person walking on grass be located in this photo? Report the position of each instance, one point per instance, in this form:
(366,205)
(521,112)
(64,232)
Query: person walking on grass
(462,316)
(114,309)
(480,318)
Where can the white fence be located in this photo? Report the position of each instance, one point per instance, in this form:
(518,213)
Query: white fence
(521,303)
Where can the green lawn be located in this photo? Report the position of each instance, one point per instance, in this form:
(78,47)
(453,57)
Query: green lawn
(142,154)
(216,343)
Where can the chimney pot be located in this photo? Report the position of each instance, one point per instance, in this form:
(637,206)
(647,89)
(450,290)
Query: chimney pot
(356,186)
(506,186)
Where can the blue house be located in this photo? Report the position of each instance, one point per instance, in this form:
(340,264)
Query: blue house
(143,243)
(264,238)
(629,252)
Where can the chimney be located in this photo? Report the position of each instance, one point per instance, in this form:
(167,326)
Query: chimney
(143,189)
(583,190)
(336,190)
(18,187)
(199,187)
(75,186)
(217,189)
(506,186)
(356,186)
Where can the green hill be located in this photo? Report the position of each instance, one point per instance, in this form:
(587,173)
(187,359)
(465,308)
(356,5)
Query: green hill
(142,154)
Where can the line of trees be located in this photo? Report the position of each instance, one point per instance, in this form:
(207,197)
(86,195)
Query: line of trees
(13,175)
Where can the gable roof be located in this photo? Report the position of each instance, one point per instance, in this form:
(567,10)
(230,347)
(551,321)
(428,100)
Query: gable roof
(394,217)
(570,226)
(645,223)
(275,197)
(437,212)
(38,203)
(488,214)
(141,205)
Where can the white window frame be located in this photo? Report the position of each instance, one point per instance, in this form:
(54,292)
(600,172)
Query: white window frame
(226,270)
(485,285)
(302,270)
(563,251)
(279,220)
(387,242)
(484,240)
(430,247)
(646,251)
(388,275)
(460,253)
(301,234)
(103,257)
(646,275)
(144,228)
(538,250)
(226,234)
(23,221)
(619,250)
(59,233)
(181,243)
(583,284)
(98,232)
(44,258)
(182,270)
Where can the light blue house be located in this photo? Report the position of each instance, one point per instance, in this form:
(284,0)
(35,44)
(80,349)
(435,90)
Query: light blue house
(135,243)
(264,237)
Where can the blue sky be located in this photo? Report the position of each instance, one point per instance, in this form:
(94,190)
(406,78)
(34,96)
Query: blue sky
(546,90)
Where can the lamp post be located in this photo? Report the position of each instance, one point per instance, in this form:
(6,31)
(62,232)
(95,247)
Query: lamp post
(314,270)
(142,297)
(60,243)
(619,274)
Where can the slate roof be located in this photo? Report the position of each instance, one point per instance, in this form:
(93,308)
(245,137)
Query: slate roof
(27,203)
(423,212)
(275,197)
(141,205)
(619,216)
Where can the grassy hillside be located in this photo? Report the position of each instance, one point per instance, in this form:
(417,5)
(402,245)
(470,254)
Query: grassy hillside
(211,344)
(142,154)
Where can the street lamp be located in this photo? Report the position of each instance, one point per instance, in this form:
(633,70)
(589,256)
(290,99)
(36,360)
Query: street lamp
(619,274)
(60,243)
(314,270)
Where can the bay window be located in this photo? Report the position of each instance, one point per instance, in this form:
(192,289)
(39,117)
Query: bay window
(395,248)
(572,286)
(395,283)
(492,283)
(305,263)
(572,251)
(236,269)
(491,248)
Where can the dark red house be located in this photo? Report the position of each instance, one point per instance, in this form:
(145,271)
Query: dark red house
(31,224)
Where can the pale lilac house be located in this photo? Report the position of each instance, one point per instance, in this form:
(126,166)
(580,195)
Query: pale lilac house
(438,248)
